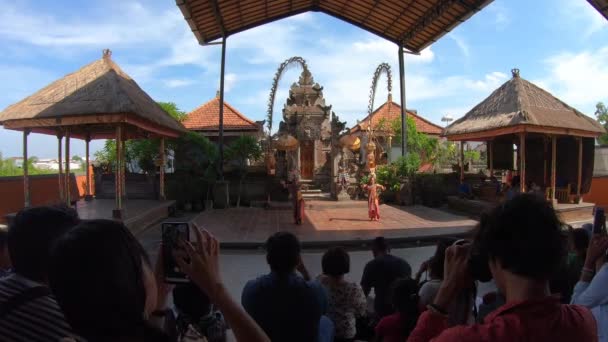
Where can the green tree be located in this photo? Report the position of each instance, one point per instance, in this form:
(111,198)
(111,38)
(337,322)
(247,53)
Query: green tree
(243,150)
(427,148)
(173,110)
(196,160)
(601,113)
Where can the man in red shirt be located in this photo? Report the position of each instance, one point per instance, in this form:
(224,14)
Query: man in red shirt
(519,244)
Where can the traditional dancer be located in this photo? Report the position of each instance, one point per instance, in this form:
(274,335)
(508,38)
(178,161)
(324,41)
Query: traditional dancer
(295,190)
(373,206)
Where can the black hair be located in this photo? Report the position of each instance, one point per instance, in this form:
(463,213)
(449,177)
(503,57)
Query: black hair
(283,252)
(97,277)
(190,300)
(436,263)
(404,296)
(379,244)
(524,234)
(3,238)
(335,262)
(31,235)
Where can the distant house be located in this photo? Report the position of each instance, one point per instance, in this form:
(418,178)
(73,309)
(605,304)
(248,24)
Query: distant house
(381,119)
(206,121)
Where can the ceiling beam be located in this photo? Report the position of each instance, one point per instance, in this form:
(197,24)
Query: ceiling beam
(405,9)
(238,4)
(184,7)
(376,2)
(424,21)
(218,17)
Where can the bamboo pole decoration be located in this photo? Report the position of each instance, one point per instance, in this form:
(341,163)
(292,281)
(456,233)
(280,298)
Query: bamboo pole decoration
(60,162)
(580,168)
(26,178)
(553,165)
(522,162)
(162,169)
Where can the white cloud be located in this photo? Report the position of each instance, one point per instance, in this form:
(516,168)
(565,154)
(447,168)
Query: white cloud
(502,16)
(176,83)
(579,79)
(462,45)
(581,14)
(229,81)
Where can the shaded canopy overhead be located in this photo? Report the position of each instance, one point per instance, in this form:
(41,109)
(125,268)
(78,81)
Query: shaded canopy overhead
(91,102)
(414,23)
(520,106)
(601,6)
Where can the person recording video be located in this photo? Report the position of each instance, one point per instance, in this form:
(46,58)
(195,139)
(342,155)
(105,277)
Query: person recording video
(519,245)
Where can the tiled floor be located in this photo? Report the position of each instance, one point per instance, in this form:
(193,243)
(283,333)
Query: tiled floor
(332,221)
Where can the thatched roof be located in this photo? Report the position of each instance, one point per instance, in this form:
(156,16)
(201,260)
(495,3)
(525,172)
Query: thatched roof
(91,101)
(520,106)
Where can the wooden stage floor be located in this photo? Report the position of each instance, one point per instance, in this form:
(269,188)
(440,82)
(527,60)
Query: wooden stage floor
(328,221)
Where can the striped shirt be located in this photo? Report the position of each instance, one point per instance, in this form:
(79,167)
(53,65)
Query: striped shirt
(40,319)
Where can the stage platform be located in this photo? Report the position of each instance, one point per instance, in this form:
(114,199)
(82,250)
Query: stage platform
(333,223)
(569,213)
(139,214)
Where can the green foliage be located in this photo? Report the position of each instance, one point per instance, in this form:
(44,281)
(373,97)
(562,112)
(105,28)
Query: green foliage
(391,175)
(243,149)
(472,156)
(196,160)
(417,143)
(8,167)
(364,180)
(601,113)
(173,110)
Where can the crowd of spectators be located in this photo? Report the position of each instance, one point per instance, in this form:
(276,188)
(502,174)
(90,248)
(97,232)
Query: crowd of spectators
(63,279)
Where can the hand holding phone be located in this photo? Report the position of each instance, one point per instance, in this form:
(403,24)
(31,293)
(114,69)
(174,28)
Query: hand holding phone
(599,221)
(172,234)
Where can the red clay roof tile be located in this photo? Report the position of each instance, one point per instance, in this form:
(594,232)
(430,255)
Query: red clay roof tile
(393,112)
(207,118)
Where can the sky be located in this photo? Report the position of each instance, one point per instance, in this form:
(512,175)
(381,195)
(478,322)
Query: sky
(561,45)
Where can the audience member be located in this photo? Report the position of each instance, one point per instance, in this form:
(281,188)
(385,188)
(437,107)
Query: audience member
(380,273)
(28,311)
(196,317)
(461,310)
(520,243)
(398,326)
(592,289)
(106,287)
(5,258)
(346,299)
(285,305)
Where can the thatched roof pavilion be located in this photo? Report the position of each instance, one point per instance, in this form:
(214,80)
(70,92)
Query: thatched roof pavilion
(522,114)
(99,101)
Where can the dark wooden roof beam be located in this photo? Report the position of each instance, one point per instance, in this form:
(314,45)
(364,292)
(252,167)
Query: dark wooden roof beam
(184,7)
(374,8)
(431,15)
(405,9)
(218,17)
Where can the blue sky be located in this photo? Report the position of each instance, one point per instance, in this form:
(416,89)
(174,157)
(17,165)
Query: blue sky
(562,45)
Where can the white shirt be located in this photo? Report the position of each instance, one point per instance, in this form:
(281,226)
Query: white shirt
(594,295)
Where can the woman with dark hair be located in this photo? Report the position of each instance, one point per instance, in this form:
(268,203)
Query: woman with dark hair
(346,298)
(398,326)
(108,291)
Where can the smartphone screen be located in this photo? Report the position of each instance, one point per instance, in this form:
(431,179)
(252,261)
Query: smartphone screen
(599,221)
(171,234)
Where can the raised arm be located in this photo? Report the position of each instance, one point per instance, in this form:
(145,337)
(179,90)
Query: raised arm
(201,263)
(591,290)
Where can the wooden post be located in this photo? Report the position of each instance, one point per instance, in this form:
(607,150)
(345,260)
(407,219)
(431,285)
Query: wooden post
(580,169)
(60,161)
(462,161)
(490,148)
(87,190)
(67,167)
(522,162)
(123,164)
(26,177)
(162,169)
(553,166)
(544,162)
(117,212)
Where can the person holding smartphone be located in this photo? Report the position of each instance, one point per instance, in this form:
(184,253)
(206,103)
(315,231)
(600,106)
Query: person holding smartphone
(592,289)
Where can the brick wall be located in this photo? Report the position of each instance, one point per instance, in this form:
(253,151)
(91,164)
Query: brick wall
(44,189)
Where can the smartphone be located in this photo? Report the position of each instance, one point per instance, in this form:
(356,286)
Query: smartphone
(599,221)
(172,232)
